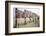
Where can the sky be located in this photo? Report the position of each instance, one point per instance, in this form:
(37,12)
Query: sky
(33,10)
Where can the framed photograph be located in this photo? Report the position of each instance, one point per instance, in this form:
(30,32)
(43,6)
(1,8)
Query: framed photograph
(24,17)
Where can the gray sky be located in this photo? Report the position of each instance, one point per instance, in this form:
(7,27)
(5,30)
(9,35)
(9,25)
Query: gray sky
(34,10)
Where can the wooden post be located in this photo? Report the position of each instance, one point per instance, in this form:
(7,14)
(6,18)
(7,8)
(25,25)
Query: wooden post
(25,17)
(15,18)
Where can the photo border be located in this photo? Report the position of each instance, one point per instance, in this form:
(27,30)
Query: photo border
(6,17)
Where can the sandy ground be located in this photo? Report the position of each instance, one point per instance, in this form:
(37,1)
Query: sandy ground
(21,20)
